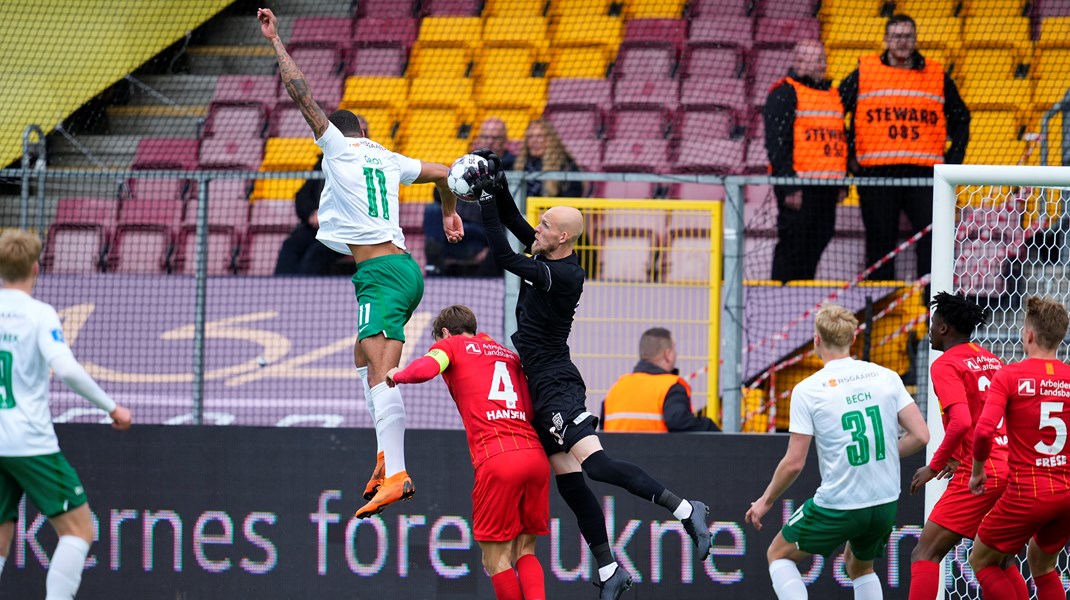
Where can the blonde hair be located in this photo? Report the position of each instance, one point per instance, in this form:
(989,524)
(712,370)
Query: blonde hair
(556,157)
(19,250)
(1048,320)
(836,325)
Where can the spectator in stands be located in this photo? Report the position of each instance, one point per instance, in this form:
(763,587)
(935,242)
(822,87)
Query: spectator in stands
(301,254)
(805,102)
(903,108)
(471,256)
(543,150)
(653,397)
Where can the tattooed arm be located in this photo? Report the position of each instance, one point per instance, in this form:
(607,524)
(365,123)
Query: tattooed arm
(292,77)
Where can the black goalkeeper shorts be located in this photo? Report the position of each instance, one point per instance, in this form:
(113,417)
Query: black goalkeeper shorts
(560,400)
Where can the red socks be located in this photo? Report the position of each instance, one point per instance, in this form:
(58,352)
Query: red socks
(1014,575)
(531,576)
(995,583)
(507,586)
(1050,586)
(924,579)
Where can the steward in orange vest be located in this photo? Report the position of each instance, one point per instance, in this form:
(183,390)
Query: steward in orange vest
(653,400)
(804,137)
(902,109)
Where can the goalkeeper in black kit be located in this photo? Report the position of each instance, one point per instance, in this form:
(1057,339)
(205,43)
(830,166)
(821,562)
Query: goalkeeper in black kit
(551,285)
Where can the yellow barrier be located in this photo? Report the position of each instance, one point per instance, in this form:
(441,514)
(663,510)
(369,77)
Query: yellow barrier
(649,263)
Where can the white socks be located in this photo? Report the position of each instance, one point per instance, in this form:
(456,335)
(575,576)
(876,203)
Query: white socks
(787,582)
(65,570)
(868,587)
(3,559)
(363,373)
(604,573)
(389,415)
(683,511)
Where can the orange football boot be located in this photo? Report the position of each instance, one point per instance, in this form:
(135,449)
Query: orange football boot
(377,477)
(396,487)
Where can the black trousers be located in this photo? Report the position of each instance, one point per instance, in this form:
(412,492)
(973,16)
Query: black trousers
(303,254)
(880,216)
(803,234)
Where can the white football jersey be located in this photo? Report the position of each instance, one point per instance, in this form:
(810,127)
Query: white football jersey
(30,339)
(359,203)
(851,408)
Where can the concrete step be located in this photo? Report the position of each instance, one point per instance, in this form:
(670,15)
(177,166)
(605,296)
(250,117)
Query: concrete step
(214,60)
(181,89)
(156,121)
(113,151)
(245,30)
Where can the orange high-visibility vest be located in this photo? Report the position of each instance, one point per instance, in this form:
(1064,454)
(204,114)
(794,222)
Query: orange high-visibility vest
(899,119)
(635,402)
(820,144)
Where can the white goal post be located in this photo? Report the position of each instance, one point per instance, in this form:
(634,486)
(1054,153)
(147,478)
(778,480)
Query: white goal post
(946,179)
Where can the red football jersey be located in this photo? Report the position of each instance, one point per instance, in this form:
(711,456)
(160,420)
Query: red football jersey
(1034,398)
(962,375)
(491,392)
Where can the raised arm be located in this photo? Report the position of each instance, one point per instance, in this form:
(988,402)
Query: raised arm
(292,77)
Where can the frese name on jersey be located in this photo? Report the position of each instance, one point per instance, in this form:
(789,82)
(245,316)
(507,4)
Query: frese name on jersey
(493,415)
(1055,387)
(1054,461)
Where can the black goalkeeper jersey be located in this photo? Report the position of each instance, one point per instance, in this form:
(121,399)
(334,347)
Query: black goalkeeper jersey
(549,291)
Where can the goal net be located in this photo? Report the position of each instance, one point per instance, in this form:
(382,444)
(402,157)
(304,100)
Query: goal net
(999,236)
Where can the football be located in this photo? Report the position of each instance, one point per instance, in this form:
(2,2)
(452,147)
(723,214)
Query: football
(458,185)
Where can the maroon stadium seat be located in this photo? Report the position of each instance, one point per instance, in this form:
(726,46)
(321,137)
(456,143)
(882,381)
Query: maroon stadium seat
(232,120)
(223,245)
(77,239)
(785,33)
(728,8)
(641,190)
(646,62)
(334,30)
(272,216)
(628,241)
(247,88)
(260,252)
(710,156)
(655,32)
(385,9)
(387,60)
(318,58)
(575,123)
(640,155)
(639,124)
(711,62)
(150,188)
(788,9)
(757,160)
(166,153)
(694,124)
(218,153)
(696,191)
(411,215)
(643,92)
(588,153)
(722,31)
(768,66)
(710,93)
(582,93)
(454,8)
(145,237)
(371,32)
(287,121)
(326,89)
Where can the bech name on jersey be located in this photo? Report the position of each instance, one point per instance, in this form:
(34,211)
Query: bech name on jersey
(506,414)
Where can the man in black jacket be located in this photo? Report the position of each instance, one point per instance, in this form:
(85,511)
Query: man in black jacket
(653,397)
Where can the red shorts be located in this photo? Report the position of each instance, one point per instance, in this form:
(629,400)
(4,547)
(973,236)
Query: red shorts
(1015,519)
(511,496)
(959,510)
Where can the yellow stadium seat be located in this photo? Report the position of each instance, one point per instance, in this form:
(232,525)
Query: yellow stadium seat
(505,63)
(924,9)
(994,152)
(585,8)
(1049,91)
(422,193)
(429,148)
(381,121)
(1054,33)
(939,32)
(516,119)
(1051,63)
(987,63)
(1055,139)
(863,9)
(383,92)
(1011,93)
(516,31)
(528,92)
(590,62)
(654,9)
(853,31)
(451,31)
(997,32)
(285,154)
(588,31)
(439,62)
(434,123)
(995,125)
(842,61)
(432,92)
(515,8)
(993,8)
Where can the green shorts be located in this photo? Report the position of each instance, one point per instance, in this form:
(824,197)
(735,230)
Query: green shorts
(818,530)
(48,480)
(388,288)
